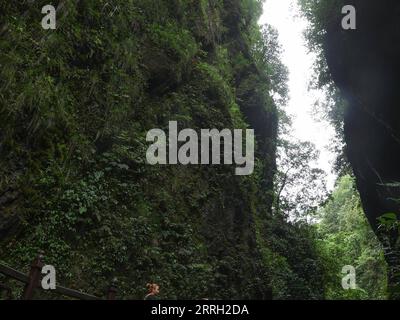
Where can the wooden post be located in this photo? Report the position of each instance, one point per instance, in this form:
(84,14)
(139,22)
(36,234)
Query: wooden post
(34,277)
(112,290)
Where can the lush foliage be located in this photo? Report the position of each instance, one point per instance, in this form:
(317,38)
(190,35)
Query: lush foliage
(346,238)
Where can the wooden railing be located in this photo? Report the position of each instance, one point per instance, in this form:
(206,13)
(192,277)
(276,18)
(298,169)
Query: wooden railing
(32,280)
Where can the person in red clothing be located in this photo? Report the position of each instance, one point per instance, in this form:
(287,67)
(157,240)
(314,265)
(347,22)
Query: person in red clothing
(153,291)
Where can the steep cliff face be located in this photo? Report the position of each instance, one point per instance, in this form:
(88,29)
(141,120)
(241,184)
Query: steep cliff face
(76,104)
(365,65)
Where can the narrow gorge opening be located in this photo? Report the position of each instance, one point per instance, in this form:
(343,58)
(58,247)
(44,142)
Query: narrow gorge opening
(314,184)
(356,68)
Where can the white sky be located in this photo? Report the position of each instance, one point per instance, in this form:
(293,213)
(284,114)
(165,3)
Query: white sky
(284,16)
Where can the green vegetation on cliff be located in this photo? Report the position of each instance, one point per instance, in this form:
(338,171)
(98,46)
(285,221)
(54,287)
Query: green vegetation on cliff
(76,104)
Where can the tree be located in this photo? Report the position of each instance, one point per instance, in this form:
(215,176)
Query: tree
(267,53)
(299,184)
